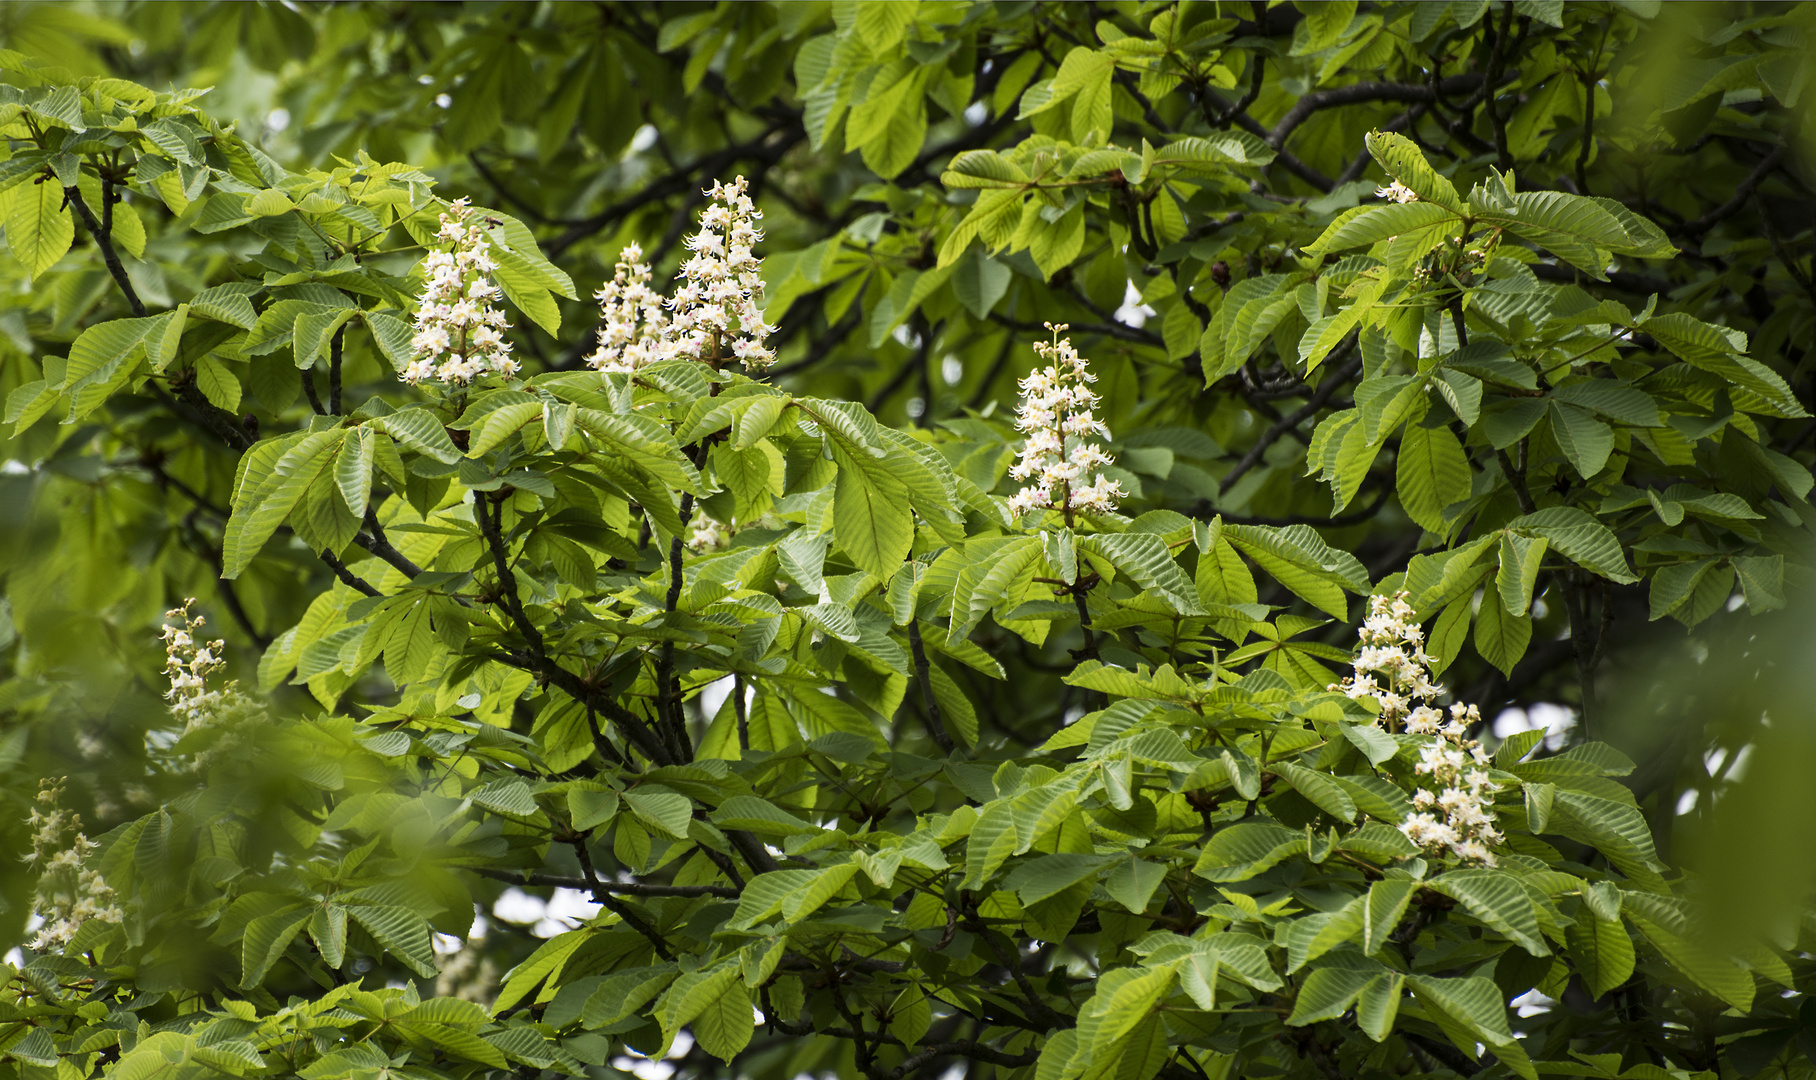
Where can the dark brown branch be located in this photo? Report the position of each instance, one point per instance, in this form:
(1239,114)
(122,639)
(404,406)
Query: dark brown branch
(352,580)
(1292,420)
(379,545)
(1357,93)
(604,898)
(1741,195)
(103,237)
(936,726)
(334,372)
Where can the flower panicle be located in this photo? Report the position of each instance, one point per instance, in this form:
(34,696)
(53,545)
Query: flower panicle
(1061,460)
(716,312)
(69,893)
(459,331)
(226,713)
(1452,813)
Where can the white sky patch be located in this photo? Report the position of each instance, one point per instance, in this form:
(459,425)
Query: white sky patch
(277,119)
(975,113)
(1555,720)
(952,369)
(643,139)
(645,1069)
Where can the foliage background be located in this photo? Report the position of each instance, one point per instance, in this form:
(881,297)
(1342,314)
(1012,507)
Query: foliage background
(598,124)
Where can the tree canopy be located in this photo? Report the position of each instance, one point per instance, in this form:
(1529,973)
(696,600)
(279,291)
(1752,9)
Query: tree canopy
(872,538)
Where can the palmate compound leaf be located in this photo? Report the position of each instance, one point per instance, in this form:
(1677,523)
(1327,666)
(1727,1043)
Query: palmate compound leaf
(1431,474)
(1498,899)
(1580,538)
(276,476)
(1147,560)
(1049,875)
(1239,852)
(1501,637)
(1330,989)
(1602,952)
(1370,224)
(871,519)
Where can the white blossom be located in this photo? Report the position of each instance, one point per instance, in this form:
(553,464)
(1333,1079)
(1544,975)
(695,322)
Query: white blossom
(1452,806)
(1397,192)
(216,723)
(1393,668)
(69,893)
(705,534)
(716,312)
(1059,456)
(458,335)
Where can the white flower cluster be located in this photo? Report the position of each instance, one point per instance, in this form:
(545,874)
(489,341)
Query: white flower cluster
(1397,192)
(1450,807)
(224,714)
(69,893)
(459,327)
(1060,457)
(632,319)
(1393,649)
(716,314)
(705,534)
(1451,812)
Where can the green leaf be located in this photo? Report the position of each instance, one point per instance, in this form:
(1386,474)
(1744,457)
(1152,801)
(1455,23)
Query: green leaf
(1520,558)
(1301,561)
(760,816)
(1147,560)
(266,501)
(269,203)
(1050,875)
(1133,881)
(1601,951)
(724,1024)
(98,353)
(265,940)
(38,229)
(1473,1003)
(218,383)
(402,932)
(1432,473)
(1328,992)
(422,431)
(871,520)
(1580,538)
(1373,224)
(1571,227)
(1621,404)
(1500,636)
(1402,159)
(979,281)
(500,424)
(313,332)
(1586,441)
(644,443)
(1239,852)
(666,811)
(982,169)
(1319,789)
(353,470)
(1497,898)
